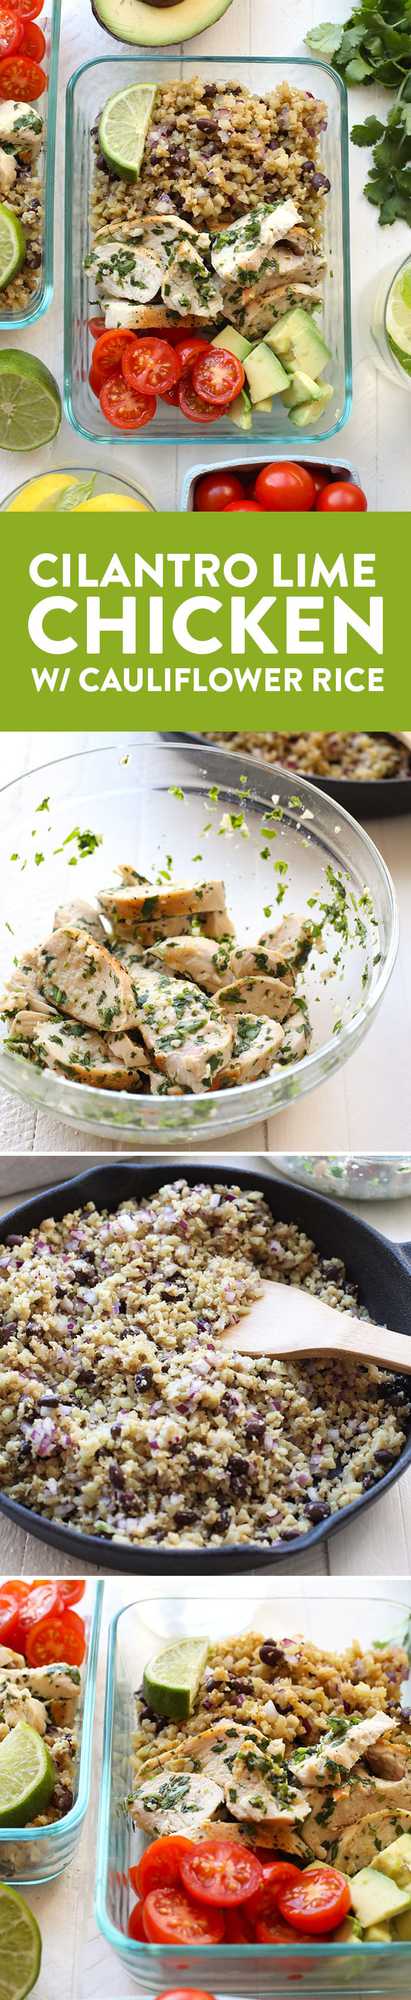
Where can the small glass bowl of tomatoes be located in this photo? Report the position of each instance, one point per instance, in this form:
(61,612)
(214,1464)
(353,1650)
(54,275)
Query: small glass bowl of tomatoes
(49,1620)
(290,484)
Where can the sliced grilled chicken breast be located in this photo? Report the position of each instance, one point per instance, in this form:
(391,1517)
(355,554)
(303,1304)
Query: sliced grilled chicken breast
(134,904)
(84,981)
(83,916)
(109,1063)
(258,996)
(256,1047)
(24,987)
(183,1030)
(176,1802)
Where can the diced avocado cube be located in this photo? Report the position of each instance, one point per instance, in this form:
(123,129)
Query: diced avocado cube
(309,413)
(375,1898)
(402,1927)
(241,413)
(233,342)
(265,404)
(346,1933)
(396,1860)
(302,389)
(379,1934)
(264,372)
(298,342)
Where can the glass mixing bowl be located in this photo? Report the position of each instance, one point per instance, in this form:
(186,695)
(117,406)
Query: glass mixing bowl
(150,800)
(362,1176)
(105,482)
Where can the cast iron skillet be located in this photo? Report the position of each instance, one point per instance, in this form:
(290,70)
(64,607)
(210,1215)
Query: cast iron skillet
(380,798)
(382,1271)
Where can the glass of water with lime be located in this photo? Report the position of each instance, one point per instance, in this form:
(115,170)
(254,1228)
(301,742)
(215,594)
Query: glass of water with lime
(391,324)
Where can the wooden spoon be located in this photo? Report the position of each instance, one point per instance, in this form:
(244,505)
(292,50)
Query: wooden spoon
(402,736)
(288,1322)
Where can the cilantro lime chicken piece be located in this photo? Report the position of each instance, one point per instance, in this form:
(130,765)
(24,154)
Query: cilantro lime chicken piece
(83,980)
(343,1745)
(24,988)
(264,998)
(111,1062)
(259,1787)
(256,1046)
(134,904)
(182,1029)
(83,916)
(176,1802)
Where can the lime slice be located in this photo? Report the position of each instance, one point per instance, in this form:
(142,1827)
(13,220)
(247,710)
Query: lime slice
(27,1776)
(399,317)
(171,1681)
(20,1946)
(30,404)
(123,127)
(12,245)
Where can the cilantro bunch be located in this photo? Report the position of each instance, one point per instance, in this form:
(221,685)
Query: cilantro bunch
(373,46)
(389,182)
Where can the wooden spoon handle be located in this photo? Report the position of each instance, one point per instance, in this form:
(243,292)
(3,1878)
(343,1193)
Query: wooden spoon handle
(402,736)
(359,1342)
(287,1321)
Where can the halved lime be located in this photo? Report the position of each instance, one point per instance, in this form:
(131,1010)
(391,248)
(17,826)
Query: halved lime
(123,126)
(398,320)
(171,1681)
(12,246)
(20,1946)
(27,1776)
(30,403)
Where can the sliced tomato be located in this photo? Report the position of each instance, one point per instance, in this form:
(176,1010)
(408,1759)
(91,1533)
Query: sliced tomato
(277,1875)
(218,376)
(269,1930)
(94,380)
(238,1929)
(220,1871)
(151,367)
(317,1903)
(189,351)
(342,496)
(243,507)
(171,396)
(42,1599)
(192,406)
(135,1926)
(59,1635)
(169,1918)
(108,351)
(11,31)
(13,1596)
(70,1593)
(123,408)
(34,42)
(22,79)
(96,327)
(185,1993)
(216,491)
(28,8)
(159,1866)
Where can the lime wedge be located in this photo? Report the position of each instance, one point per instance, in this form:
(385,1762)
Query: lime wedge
(20,1946)
(171,1681)
(399,317)
(27,1776)
(12,245)
(123,127)
(30,404)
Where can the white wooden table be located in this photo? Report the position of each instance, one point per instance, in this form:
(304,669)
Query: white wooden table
(377,1543)
(366,1106)
(377,438)
(77,1964)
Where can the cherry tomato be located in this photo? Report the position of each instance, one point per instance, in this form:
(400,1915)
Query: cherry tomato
(159,1866)
(220,1871)
(70,1593)
(238,1930)
(216,491)
(169,1918)
(11,31)
(108,351)
(95,379)
(171,396)
(34,42)
(269,1930)
(277,1875)
(192,406)
(341,497)
(59,1635)
(13,1595)
(151,367)
(218,377)
(316,1903)
(320,478)
(28,8)
(189,350)
(21,78)
(122,408)
(244,507)
(96,327)
(285,488)
(41,1600)
(135,1926)
(185,1993)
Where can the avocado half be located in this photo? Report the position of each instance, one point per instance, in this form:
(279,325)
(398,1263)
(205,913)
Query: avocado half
(154,25)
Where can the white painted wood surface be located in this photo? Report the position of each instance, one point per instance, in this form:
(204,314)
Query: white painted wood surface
(77,1963)
(377,438)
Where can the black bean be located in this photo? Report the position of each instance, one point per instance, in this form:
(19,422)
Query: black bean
(317,1510)
(255,1427)
(272,1655)
(7,1333)
(144,1378)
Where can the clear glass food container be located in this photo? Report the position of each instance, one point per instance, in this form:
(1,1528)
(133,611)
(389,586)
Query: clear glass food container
(361,1176)
(252,465)
(105,482)
(47,105)
(34,1854)
(135,1635)
(87,93)
(153,799)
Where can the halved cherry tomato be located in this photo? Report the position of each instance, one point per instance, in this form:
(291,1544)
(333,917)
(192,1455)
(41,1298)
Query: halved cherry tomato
(58,1636)
(220,1871)
(169,1918)
(171,396)
(95,381)
(216,491)
(185,1993)
(341,497)
(122,408)
(238,1930)
(277,1875)
(96,327)
(11,30)
(243,507)
(28,8)
(189,351)
(285,488)
(135,1926)
(159,1866)
(316,1903)
(108,351)
(41,1600)
(151,367)
(21,78)
(13,1595)
(192,406)
(269,1930)
(70,1593)
(218,376)
(34,42)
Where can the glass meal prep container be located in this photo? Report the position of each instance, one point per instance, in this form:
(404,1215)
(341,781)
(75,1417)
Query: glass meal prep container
(41,298)
(149,799)
(87,93)
(35,1854)
(135,1635)
(361,1176)
(251,465)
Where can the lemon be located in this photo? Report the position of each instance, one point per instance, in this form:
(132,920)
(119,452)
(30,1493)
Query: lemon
(40,495)
(123,126)
(112,503)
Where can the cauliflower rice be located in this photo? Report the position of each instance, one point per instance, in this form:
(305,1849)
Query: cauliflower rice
(321,754)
